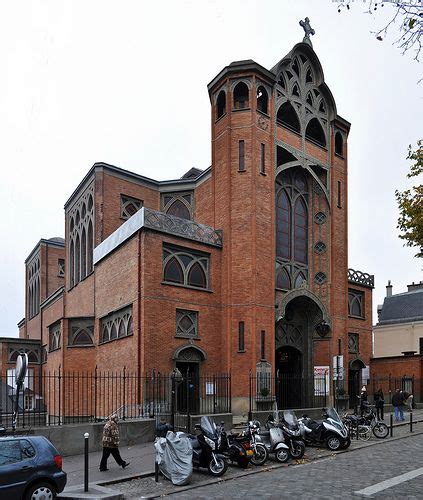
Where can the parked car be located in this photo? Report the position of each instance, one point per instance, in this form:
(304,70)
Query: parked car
(30,468)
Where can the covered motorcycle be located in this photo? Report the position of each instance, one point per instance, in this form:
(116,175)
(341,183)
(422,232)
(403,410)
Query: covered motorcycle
(174,456)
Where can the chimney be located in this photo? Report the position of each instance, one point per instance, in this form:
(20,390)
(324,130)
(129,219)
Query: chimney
(389,289)
(415,286)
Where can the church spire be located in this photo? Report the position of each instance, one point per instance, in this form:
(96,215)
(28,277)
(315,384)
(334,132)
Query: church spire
(308,31)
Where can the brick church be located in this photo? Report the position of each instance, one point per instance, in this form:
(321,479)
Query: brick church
(240,267)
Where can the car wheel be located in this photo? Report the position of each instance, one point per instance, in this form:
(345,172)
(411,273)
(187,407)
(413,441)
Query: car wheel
(41,491)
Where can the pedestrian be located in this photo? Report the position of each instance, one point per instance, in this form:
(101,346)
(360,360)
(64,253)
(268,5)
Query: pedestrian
(111,444)
(379,402)
(398,403)
(363,400)
(163,427)
(408,400)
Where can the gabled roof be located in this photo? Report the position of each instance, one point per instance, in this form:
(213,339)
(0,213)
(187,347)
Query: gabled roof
(402,308)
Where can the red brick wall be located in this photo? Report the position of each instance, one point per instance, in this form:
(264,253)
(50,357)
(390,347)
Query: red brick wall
(363,327)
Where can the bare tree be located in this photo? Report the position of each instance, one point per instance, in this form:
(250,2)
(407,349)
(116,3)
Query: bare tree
(407,18)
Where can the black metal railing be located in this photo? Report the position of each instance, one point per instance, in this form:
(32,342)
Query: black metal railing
(288,391)
(57,398)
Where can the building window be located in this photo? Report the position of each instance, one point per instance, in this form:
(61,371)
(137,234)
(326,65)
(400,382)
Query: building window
(54,336)
(421,345)
(241,339)
(355,303)
(186,323)
(241,96)
(221,104)
(262,158)
(339,194)
(320,278)
(262,99)
(263,345)
(320,247)
(353,345)
(117,325)
(315,132)
(61,268)
(33,284)
(178,204)
(14,352)
(80,219)
(129,206)
(29,401)
(288,117)
(320,218)
(81,332)
(339,144)
(185,267)
(241,156)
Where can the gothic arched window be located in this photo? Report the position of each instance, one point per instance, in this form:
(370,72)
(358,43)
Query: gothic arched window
(179,209)
(262,99)
(241,96)
(339,144)
(221,104)
(186,267)
(315,132)
(283,231)
(173,271)
(288,117)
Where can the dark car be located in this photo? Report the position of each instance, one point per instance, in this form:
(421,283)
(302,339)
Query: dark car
(30,468)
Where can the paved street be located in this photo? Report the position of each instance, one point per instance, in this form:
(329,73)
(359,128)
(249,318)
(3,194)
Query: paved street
(331,478)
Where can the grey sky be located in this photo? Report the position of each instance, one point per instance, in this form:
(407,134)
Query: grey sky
(125,82)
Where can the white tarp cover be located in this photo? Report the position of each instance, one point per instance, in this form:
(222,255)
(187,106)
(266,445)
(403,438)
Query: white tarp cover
(174,456)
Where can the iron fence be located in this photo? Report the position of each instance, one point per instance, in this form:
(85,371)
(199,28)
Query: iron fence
(57,398)
(288,391)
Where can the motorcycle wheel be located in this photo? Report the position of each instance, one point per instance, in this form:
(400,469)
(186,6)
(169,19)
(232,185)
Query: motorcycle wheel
(333,442)
(282,455)
(260,455)
(298,449)
(380,430)
(364,432)
(243,463)
(347,443)
(217,468)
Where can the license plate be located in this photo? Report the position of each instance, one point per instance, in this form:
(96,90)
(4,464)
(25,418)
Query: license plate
(250,452)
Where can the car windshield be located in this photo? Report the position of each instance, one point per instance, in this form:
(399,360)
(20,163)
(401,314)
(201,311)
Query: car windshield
(290,418)
(333,414)
(208,427)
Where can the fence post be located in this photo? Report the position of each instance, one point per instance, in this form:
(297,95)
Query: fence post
(124,392)
(391,425)
(214,394)
(250,409)
(60,393)
(86,436)
(229,381)
(411,420)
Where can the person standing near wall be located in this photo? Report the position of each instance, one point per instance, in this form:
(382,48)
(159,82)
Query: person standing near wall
(111,444)
(398,403)
(379,402)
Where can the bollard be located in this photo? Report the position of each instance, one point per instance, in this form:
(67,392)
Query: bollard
(411,420)
(391,425)
(156,471)
(86,436)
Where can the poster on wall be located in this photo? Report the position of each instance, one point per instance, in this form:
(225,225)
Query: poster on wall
(365,375)
(338,363)
(321,380)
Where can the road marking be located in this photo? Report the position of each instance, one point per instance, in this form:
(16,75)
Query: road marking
(376,488)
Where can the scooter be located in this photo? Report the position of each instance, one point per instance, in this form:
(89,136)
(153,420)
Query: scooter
(235,447)
(292,434)
(330,431)
(205,446)
(273,440)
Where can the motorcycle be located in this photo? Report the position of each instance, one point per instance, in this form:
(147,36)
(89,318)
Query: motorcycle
(330,431)
(273,440)
(260,454)
(357,426)
(379,429)
(292,434)
(235,447)
(205,446)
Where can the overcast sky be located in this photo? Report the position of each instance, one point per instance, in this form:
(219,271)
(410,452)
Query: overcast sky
(124,82)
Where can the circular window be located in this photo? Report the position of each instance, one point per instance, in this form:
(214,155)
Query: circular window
(320,247)
(320,218)
(320,278)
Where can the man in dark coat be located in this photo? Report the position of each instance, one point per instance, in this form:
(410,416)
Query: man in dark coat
(398,403)
(379,402)
(111,444)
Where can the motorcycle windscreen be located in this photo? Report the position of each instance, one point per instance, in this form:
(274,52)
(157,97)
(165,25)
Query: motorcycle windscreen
(333,414)
(208,427)
(276,435)
(290,419)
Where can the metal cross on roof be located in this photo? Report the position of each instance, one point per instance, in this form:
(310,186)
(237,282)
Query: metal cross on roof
(307,29)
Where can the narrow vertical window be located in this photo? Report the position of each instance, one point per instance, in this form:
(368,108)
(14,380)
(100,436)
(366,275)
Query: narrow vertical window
(263,344)
(339,194)
(241,344)
(241,156)
(263,159)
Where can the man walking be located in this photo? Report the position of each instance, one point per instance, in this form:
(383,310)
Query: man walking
(398,403)
(111,444)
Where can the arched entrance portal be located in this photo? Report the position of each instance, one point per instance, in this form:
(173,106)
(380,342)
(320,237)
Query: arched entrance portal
(354,380)
(298,315)
(187,361)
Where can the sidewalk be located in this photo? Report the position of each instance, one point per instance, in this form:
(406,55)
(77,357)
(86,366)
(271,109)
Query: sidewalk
(142,459)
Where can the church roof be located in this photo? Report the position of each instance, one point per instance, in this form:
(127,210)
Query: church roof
(402,308)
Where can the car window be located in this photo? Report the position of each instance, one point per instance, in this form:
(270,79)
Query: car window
(10,452)
(27,449)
